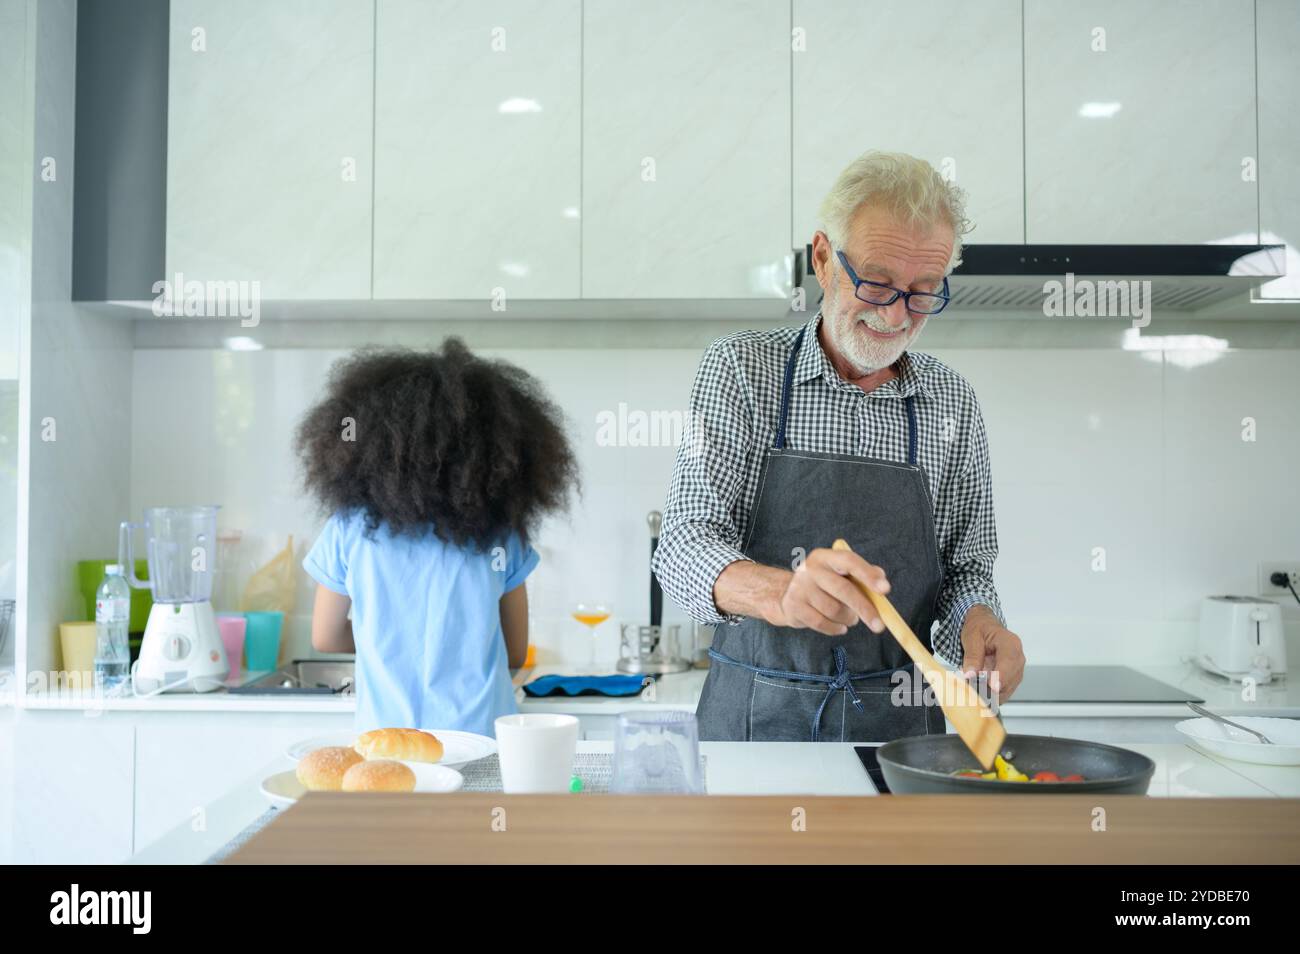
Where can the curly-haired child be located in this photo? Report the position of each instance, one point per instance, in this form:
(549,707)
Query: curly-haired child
(435,468)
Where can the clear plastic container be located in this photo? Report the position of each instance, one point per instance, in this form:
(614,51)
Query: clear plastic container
(657,752)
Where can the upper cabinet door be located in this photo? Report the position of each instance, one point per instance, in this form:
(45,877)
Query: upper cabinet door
(939,79)
(269,121)
(1140,121)
(478,149)
(686,149)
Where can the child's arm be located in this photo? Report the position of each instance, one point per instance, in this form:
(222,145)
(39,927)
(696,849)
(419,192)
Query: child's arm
(331,630)
(514,624)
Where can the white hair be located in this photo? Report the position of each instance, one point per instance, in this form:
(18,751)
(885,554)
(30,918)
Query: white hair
(908,187)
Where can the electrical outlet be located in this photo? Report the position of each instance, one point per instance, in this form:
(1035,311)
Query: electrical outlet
(1291,569)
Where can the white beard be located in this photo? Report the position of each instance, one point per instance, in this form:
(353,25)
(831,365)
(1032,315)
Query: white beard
(864,353)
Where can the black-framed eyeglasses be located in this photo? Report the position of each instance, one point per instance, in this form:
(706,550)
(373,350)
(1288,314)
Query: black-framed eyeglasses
(876,293)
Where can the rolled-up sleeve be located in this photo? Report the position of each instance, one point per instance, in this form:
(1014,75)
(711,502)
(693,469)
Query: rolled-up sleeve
(700,536)
(971,547)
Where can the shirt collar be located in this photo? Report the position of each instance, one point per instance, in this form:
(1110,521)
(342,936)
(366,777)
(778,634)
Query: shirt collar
(813,363)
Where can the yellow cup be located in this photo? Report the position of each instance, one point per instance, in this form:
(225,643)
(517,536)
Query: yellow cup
(78,641)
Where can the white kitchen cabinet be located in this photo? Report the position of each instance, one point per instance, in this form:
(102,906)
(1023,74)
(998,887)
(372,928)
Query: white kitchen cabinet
(1279,138)
(478,149)
(269,122)
(72,787)
(939,79)
(1139,121)
(686,149)
(95,787)
(184,762)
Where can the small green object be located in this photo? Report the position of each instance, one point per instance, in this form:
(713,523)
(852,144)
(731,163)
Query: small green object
(575,784)
(90,573)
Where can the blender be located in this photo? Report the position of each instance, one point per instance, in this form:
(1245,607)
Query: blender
(181,649)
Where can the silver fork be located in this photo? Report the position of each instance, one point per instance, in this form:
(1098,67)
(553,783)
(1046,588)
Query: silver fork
(1201,710)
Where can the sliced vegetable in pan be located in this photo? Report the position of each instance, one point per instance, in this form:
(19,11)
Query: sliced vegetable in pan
(1004,771)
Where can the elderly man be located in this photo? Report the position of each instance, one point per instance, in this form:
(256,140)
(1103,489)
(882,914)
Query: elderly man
(836,429)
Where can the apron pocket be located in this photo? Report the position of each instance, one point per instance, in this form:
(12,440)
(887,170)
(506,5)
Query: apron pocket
(782,710)
(890,712)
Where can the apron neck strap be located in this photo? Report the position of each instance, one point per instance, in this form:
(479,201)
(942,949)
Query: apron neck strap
(785,388)
(911,429)
(788,382)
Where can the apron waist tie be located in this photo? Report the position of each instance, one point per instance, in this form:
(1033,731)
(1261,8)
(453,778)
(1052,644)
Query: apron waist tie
(843,679)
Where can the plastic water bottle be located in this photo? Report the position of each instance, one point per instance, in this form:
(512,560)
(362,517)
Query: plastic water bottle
(112,619)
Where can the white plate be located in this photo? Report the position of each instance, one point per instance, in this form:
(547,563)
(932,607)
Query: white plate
(283,788)
(1219,739)
(458,748)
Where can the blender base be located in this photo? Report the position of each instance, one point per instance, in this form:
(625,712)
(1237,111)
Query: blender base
(182,646)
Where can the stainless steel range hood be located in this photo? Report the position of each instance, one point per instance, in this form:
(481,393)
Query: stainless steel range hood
(1182,277)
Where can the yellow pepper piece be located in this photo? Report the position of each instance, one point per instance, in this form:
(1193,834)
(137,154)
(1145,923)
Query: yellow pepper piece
(1007,772)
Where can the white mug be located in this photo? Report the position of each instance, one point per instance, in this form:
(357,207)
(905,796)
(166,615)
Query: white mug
(536,751)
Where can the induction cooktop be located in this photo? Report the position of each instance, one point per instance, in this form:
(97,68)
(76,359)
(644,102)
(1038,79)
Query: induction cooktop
(1095,684)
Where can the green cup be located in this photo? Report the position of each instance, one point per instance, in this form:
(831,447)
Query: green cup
(262,640)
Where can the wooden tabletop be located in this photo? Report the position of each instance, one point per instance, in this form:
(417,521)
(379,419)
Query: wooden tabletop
(473,827)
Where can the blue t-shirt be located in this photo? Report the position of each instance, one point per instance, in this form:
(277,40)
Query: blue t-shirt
(426,621)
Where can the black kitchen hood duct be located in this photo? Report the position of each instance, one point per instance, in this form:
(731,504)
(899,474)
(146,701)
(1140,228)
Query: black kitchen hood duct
(1182,277)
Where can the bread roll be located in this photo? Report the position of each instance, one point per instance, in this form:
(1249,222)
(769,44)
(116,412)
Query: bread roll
(379,775)
(321,770)
(409,745)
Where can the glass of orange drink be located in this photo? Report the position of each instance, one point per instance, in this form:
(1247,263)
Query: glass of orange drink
(591,615)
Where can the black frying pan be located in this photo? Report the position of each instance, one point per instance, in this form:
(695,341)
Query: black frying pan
(920,765)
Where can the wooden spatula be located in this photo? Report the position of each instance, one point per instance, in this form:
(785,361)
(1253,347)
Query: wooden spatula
(976,723)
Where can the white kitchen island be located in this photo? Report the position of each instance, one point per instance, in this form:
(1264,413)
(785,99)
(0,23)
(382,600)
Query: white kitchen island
(161,763)
(748,768)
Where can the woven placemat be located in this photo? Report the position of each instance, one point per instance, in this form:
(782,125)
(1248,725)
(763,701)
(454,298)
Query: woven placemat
(596,769)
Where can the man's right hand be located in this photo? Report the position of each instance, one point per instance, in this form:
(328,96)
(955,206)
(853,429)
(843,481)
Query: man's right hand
(821,596)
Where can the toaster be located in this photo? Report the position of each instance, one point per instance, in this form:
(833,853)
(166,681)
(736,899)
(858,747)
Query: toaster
(1241,637)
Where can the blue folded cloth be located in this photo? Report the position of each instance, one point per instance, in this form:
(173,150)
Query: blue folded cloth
(585,685)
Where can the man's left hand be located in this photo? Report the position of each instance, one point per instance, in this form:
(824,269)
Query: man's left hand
(991,650)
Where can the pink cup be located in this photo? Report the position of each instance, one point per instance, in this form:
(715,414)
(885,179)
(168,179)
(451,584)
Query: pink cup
(232,628)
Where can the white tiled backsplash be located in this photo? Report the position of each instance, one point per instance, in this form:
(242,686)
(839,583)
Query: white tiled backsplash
(1137,453)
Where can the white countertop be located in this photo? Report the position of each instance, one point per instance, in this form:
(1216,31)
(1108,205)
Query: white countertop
(682,691)
(217,701)
(758,768)
(1280,698)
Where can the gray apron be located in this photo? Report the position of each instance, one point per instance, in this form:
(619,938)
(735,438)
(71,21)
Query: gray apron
(777,683)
